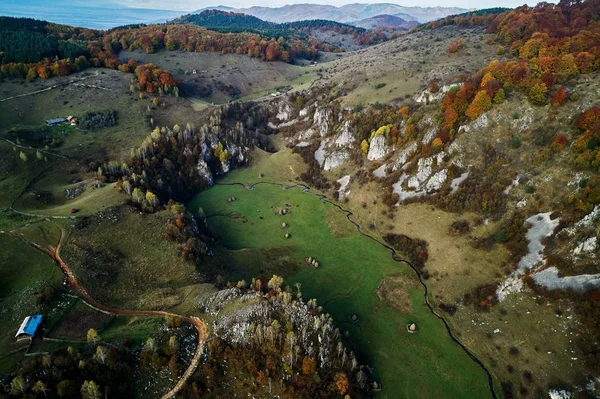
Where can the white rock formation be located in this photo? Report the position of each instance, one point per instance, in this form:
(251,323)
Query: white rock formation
(423,172)
(427,95)
(429,135)
(377,148)
(456,182)
(436,181)
(307,134)
(549,279)
(403,156)
(587,247)
(380,171)
(303,112)
(344,191)
(541,227)
(479,123)
(320,121)
(560,394)
(329,159)
(284,112)
(345,138)
(204,171)
(335,159)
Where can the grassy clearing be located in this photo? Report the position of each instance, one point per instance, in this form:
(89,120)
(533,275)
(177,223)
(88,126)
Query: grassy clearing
(523,335)
(225,74)
(122,259)
(282,166)
(48,194)
(15,174)
(352,268)
(10,219)
(402,68)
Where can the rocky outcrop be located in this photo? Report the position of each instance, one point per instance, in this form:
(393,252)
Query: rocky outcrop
(285,111)
(320,121)
(377,148)
(403,156)
(330,158)
(346,137)
(343,191)
(204,172)
(436,181)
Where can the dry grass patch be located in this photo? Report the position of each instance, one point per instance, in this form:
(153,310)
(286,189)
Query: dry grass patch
(395,292)
(337,229)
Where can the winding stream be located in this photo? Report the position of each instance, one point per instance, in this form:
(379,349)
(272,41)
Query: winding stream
(393,253)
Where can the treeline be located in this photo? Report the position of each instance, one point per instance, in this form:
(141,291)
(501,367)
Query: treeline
(30,49)
(193,38)
(473,18)
(230,22)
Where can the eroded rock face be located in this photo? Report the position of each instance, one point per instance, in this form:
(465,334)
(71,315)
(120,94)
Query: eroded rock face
(479,123)
(436,181)
(329,158)
(204,172)
(335,159)
(377,148)
(403,156)
(320,121)
(344,191)
(423,172)
(284,112)
(345,138)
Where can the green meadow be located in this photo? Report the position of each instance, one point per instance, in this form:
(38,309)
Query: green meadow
(424,364)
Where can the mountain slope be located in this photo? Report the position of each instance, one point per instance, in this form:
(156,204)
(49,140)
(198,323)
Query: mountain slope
(385,21)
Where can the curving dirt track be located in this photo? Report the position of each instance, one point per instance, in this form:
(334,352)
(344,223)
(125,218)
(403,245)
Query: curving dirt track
(54,253)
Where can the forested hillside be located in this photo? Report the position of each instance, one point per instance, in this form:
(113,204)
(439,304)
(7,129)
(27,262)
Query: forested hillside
(25,40)
(32,49)
(223,21)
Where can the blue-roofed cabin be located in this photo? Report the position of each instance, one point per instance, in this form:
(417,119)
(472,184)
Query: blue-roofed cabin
(29,327)
(55,121)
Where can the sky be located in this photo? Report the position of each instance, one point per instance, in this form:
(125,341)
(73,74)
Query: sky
(191,5)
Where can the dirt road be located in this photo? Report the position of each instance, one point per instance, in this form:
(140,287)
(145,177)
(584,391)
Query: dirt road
(54,253)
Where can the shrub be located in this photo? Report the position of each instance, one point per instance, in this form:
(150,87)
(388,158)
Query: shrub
(95,120)
(454,47)
(481,103)
(559,96)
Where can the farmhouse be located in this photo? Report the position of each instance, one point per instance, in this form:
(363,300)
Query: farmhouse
(29,327)
(55,121)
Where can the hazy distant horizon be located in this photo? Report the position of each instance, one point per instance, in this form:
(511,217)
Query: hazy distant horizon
(185,6)
(190,5)
(107,14)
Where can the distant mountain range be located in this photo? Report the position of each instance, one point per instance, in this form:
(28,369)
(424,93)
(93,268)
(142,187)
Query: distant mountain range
(347,14)
(385,21)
